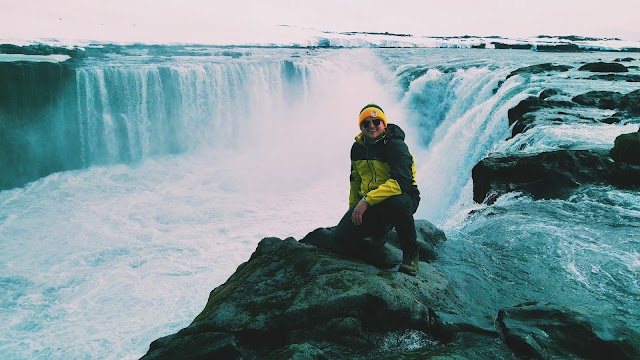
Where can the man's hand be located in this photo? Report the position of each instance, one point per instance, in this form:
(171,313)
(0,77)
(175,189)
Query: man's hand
(356,215)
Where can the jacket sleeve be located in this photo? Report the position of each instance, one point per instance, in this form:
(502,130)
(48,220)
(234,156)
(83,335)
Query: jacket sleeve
(401,173)
(354,186)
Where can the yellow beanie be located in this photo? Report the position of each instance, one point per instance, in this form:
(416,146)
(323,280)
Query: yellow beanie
(372,111)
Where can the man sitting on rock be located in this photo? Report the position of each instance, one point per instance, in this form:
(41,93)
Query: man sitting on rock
(383,191)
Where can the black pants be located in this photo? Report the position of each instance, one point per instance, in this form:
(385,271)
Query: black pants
(395,211)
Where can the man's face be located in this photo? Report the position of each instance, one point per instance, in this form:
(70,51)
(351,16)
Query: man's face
(370,130)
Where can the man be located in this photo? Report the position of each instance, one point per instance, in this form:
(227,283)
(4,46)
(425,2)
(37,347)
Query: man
(383,189)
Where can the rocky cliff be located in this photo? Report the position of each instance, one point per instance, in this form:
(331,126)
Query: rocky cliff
(308,300)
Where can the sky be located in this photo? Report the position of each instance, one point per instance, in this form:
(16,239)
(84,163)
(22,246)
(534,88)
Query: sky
(241,20)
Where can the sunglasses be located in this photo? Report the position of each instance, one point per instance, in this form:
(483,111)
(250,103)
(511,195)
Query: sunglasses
(375,122)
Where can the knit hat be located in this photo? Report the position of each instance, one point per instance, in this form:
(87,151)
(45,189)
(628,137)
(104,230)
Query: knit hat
(372,111)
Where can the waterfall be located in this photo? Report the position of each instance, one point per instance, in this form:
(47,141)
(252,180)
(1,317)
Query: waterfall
(115,114)
(125,112)
(461,115)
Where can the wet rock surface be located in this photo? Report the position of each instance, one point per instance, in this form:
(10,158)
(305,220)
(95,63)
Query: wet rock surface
(604,67)
(555,174)
(626,148)
(549,175)
(294,300)
(545,331)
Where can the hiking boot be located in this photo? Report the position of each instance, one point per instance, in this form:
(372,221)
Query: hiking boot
(409,264)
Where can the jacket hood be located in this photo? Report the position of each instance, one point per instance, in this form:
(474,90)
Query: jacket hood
(393,132)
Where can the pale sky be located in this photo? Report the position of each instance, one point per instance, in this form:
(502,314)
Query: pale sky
(193,20)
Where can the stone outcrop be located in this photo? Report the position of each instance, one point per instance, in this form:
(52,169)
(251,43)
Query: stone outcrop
(551,174)
(600,99)
(603,67)
(560,48)
(616,77)
(630,103)
(499,45)
(626,148)
(294,300)
(544,331)
(540,68)
(523,116)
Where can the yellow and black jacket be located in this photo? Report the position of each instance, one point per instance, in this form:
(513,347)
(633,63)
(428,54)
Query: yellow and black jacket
(382,168)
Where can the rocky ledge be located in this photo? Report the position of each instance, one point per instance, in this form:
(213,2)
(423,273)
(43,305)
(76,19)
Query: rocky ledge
(308,299)
(555,174)
(551,174)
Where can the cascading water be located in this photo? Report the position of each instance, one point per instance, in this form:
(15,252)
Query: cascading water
(158,175)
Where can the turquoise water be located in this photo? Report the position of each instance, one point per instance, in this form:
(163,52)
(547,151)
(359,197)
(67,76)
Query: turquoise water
(170,168)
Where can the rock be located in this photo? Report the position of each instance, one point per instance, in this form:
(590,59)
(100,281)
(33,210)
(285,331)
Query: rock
(546,93)
(610,120)
(600,99)
(292,300)
(626,148)
(518,114)
(41,49)
(603,67)
(545,331)
(523,113)
(616,77)
(560,48)
(626,59)
(540,68)
(549,174)
(499,45)
(630,103)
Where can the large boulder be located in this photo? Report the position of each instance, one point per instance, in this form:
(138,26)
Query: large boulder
(296,300)
(630,103)
(626,148)
(560,48)
(522,116)
(551,174)
(599,99)
(604,67)
(538,330)
(539,68)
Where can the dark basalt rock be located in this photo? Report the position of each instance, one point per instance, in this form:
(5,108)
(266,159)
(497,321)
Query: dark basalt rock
(560,48)
(616,77)
(611,120)
(600,99)
(630,103)
(518,114)
(522,114)
(626,148)
(41,49)
(549,174)
(293,298)
(603,67)
(499,45)
(540,68)
(545,331)
(547,93)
